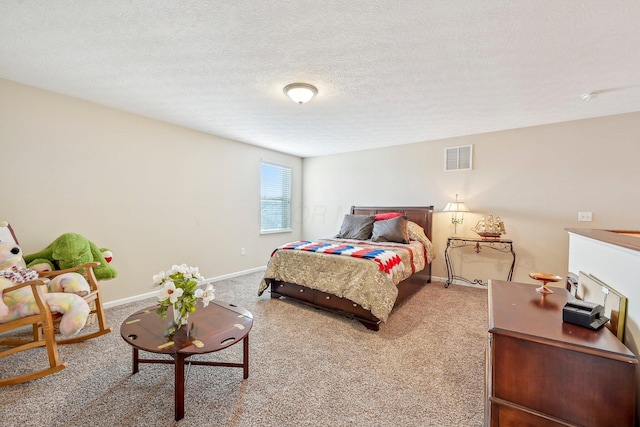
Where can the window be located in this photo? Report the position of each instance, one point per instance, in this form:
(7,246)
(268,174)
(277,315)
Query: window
(275,198)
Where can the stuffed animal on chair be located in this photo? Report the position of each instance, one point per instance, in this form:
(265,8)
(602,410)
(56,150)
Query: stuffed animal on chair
(71,250)
(21,302)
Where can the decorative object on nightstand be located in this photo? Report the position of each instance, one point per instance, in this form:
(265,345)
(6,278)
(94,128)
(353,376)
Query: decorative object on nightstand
(545,278)
(490,227)
(456,208)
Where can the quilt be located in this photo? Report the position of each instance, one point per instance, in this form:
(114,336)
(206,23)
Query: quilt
(387,260)
(358,279)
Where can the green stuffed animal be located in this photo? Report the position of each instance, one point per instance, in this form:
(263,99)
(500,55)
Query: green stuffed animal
(71,250)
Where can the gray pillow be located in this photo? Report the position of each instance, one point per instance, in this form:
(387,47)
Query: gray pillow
(356,227)
(391,230)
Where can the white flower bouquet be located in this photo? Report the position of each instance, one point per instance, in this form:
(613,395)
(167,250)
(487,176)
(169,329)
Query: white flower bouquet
(179,288)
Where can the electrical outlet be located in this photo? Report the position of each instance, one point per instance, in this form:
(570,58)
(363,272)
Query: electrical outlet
(584,216)
(242,251)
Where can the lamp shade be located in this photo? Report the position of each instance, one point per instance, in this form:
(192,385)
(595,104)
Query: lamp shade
(300,93)
(456,207)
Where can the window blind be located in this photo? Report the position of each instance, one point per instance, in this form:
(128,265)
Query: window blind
(275,198)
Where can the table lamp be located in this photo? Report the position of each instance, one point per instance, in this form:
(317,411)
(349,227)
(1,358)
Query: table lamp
(455,208)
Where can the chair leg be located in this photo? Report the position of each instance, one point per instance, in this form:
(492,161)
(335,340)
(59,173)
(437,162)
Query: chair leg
(37,333)
(49,336)
(101,319)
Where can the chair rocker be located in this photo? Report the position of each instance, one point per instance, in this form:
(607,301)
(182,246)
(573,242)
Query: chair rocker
(43,335)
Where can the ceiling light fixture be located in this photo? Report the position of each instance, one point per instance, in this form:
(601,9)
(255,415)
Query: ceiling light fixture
(300,93)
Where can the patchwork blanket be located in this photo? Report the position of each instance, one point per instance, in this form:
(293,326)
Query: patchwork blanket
(388,261)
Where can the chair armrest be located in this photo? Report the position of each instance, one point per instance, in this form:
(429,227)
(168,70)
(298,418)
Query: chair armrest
(32,283)
(36,289)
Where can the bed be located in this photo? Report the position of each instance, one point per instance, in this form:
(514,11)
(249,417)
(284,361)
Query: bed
(367,290)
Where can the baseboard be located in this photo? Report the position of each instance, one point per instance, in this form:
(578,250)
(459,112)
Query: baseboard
(205,281)
(232,275)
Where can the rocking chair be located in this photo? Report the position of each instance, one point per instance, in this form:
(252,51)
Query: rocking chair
(44,323)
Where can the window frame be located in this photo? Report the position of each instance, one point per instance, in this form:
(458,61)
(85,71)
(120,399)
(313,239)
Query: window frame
(285,187)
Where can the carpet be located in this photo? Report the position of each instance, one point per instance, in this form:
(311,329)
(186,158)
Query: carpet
(425,367)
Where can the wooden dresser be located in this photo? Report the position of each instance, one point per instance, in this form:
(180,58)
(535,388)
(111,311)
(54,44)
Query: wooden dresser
(544,372)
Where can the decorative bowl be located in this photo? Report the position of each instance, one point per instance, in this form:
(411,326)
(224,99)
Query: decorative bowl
(545,278)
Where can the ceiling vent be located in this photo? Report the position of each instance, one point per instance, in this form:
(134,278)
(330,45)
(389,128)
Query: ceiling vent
(458,158)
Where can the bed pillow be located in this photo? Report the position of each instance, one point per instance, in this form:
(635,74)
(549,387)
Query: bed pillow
(417,233)
(391,230)
(357,227)
(388,215)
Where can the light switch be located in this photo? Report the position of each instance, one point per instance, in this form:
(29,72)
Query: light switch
(584,216)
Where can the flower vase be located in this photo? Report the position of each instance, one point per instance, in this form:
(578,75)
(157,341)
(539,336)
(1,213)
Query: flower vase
(179,319)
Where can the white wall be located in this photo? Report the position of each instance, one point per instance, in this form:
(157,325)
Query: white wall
(537,179)
(154,193)
(618,267)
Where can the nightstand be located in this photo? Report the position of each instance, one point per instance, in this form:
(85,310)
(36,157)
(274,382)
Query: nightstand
(500,245)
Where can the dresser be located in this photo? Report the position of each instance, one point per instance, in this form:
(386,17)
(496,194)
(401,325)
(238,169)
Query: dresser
(541,371)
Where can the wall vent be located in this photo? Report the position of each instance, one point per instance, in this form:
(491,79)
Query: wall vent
(458,158)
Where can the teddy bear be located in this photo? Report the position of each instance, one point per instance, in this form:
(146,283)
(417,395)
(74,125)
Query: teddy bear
(71,250)
(21,302)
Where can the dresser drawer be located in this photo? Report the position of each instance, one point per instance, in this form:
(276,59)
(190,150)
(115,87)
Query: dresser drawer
(342,304)
(509,416)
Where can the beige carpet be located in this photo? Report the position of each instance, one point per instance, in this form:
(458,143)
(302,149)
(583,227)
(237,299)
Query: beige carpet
(425,367)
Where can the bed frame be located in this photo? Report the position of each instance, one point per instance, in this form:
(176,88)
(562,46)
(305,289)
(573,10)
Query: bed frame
(422,216)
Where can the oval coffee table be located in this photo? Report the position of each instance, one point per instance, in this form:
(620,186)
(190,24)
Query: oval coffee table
(211,328)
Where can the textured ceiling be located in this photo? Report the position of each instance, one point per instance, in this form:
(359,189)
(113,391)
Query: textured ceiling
(387,72)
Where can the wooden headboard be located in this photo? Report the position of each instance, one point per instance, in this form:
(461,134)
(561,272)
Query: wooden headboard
(421,215)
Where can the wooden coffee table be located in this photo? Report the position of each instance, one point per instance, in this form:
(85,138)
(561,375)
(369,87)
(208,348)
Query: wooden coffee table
(212,328)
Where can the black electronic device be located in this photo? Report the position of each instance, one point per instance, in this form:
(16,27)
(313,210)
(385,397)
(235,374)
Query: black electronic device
(584,313)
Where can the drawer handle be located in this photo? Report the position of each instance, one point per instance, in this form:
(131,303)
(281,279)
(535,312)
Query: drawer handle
(355,305)
(301,290)
(328,297)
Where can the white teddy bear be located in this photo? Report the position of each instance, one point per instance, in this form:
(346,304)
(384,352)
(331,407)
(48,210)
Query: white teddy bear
(63,295)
